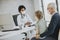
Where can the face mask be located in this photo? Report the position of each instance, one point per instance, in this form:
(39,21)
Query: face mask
(23,12)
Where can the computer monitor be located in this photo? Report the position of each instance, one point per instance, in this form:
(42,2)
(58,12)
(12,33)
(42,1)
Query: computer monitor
(6,21)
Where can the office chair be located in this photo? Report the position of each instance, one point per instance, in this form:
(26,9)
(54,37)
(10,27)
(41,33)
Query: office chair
(15,19)
(16,24)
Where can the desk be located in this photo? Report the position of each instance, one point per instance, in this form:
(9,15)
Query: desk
(14,35)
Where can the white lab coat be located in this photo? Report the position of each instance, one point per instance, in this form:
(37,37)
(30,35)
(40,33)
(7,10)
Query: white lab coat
(21,21)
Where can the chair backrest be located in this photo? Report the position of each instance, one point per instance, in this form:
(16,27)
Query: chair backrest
(15,19)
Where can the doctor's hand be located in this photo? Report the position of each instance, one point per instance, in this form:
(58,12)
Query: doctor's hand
(28,24)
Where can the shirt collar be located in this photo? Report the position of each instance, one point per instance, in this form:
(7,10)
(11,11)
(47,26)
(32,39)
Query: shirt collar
(54,13)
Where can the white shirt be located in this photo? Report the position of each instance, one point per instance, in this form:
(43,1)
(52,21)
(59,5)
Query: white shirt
(22,20)
(53,13)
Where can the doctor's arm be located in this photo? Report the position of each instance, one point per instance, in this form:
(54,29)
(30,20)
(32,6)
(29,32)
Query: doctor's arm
(29,20)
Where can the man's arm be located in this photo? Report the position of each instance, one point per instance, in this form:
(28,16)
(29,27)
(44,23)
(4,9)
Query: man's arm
(29,18)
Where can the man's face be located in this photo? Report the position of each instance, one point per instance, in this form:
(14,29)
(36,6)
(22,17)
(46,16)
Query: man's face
(50,10)
(22,11)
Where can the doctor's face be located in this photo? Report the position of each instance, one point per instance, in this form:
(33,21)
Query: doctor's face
(22,11)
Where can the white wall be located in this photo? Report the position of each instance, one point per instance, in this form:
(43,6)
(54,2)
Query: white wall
(11,6)
(37,5)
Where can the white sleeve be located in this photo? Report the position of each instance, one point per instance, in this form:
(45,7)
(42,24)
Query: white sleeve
(20,24)
(29,18)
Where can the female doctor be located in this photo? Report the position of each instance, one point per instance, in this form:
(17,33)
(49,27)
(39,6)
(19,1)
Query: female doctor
(23,19)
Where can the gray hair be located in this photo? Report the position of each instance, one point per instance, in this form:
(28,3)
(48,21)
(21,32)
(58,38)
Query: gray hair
(53,5)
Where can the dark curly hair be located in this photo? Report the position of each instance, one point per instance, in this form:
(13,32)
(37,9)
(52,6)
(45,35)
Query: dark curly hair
(20,7)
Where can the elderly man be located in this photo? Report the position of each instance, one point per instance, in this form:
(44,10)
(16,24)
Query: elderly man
(52,31)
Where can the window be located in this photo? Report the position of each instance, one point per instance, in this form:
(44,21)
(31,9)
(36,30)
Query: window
(58,1)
